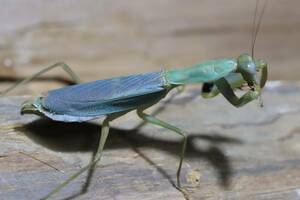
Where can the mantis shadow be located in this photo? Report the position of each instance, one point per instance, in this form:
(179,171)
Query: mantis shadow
(84,137)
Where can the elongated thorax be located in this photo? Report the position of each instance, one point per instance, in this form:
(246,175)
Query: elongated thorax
(205,72)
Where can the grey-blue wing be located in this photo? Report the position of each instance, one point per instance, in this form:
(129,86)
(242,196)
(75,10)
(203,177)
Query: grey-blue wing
(106,96)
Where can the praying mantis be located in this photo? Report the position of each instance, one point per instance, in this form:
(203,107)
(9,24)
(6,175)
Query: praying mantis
(114,97)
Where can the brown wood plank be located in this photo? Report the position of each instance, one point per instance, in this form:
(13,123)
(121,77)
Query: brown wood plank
(247,153)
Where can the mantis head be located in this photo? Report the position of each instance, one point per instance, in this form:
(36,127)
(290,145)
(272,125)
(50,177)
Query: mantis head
(249,67)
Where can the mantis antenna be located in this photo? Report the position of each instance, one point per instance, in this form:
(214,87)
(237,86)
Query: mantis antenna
(257,20)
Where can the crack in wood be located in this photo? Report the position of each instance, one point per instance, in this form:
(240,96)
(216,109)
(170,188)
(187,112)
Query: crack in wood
(290,135)
(269,121)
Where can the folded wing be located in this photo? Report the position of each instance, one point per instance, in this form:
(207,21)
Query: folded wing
(106,96)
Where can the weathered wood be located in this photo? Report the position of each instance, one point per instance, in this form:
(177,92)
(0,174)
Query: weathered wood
(247,153)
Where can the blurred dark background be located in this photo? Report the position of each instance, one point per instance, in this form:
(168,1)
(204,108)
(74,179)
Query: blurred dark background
(101,39)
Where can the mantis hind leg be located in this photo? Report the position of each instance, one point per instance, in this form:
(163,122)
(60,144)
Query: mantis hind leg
(155,121)
(104,135)
(64,66)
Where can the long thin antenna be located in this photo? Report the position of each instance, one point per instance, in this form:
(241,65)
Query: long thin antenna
(253,27)
(257,26)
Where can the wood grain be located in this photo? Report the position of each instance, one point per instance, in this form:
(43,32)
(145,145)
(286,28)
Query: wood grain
(247,153)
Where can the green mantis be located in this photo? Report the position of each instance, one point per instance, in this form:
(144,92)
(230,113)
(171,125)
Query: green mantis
(114,97)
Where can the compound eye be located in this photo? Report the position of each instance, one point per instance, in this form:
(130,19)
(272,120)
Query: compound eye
(251,67)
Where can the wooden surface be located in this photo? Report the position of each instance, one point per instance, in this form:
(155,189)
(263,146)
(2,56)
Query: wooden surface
(248,153)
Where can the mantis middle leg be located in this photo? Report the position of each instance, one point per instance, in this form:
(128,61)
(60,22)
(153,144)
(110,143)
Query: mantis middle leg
(64,66)
(155,121)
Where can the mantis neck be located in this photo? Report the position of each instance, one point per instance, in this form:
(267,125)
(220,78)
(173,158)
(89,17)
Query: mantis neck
(205,72)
